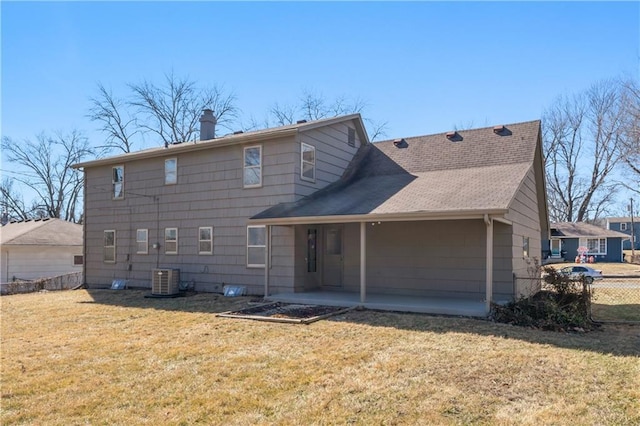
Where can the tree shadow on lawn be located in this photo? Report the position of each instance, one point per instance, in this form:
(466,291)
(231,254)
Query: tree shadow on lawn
(185,302)
(623,339)
(612,339)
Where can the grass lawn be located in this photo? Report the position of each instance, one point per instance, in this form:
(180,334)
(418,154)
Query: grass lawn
(107,357)
(616,304)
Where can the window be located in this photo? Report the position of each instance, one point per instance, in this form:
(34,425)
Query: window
(170,171)
(597,245)
(623,226)
(525,246)
(171,241)
(351,137)
(117,182)
(205,240)
(256,245)
(252,166)
(109,255)
(78,260)
(308,162)
(142,241)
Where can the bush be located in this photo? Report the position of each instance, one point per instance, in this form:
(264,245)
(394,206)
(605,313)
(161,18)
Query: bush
(562,304)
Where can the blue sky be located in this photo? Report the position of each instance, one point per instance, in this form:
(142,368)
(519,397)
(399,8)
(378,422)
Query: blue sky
(423,67)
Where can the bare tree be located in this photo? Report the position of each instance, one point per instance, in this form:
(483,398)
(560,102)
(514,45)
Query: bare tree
(115,119)
(315,106)
(631,147)
(583,138)
(45,169)
(170,111)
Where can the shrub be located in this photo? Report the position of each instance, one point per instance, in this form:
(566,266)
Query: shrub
(562,304)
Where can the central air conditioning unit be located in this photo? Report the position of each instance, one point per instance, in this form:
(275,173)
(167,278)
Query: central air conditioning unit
(165,282)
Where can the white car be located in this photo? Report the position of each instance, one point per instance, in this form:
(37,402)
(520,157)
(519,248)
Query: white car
(576,272)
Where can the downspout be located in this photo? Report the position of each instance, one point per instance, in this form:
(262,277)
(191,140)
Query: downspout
(363,262)
(489,264)
(267,256)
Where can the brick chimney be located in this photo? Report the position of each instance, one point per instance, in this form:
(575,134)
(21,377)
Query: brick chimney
(207,125)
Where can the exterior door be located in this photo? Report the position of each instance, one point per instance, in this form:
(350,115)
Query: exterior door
(333,258)
(555,248)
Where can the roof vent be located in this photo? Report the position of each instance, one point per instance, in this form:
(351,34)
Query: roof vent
(454,136)
(400,143)
(498,129)
(238,132)
(301,121)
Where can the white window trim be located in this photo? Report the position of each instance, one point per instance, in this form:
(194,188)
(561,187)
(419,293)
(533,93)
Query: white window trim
(210,228)
(255,265)
(526,248)
(623,226)
(165,241)
(165,171)
(245,167)
(585,242)
(113,183)
(303,162)
(146,241)
(104,247)
(351,131)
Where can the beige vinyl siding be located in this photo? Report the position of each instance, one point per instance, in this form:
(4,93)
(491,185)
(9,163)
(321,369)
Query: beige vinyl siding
(209,192)
(333,156)
(526,223)
(430,258)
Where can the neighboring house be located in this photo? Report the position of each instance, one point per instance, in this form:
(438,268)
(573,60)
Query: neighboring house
(624,225)
(40,248)
(454,215)
(603,244)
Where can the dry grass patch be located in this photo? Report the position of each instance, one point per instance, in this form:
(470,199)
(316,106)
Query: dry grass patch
(105,357)
(615,304)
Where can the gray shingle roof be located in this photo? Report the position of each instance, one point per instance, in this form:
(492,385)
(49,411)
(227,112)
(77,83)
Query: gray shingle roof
(230,139)
(480,171)
(50,232)
(581,229)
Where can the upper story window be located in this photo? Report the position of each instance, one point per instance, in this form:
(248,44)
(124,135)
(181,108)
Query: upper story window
(170,171)
(525,246)
(171,241)
(117,182)
(351,137)
(308,162)
(252,166)
(623,226)
(142,241)
(109,253)
(205,240)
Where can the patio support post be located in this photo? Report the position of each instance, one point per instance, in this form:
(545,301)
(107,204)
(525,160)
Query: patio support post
(489,277)
(267,255)
(363,261)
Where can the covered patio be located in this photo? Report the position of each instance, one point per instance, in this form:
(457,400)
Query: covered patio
(387,302)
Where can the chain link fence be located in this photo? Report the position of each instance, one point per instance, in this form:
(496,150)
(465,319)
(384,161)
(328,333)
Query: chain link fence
(616,299)
(613,299)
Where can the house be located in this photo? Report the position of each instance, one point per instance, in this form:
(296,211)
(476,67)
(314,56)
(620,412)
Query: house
(603,245)
(625,225)
(455,215)
(40,248)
